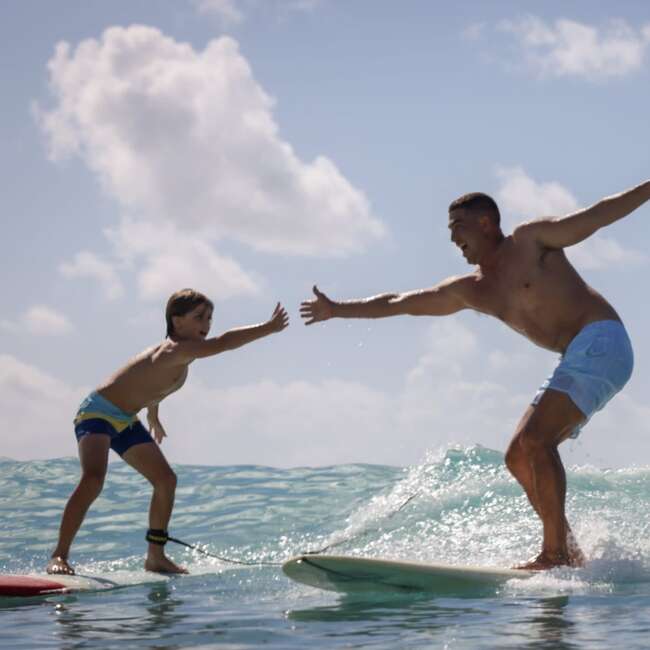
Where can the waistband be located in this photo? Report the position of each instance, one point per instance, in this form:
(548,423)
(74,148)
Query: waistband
(97,403)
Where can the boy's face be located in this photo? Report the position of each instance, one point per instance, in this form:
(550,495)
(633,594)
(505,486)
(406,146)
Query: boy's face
(194,325)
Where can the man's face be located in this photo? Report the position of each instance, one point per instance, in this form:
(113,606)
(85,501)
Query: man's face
(194,325)
(466,233)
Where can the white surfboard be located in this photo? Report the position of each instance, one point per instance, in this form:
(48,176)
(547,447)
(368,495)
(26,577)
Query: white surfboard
(351,574)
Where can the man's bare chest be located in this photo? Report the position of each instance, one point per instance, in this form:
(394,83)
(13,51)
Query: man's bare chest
(518,286)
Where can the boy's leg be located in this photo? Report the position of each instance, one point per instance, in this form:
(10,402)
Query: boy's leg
(93,455)
(147,459)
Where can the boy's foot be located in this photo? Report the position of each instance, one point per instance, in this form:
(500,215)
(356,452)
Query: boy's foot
(163,565)
(59,565)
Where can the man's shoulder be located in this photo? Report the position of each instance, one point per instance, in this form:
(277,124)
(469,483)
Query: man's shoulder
(462,285)
(528,231)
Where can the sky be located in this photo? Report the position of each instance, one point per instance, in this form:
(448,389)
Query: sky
(253,148)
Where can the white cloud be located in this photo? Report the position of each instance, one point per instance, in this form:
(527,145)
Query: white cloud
(185,141)
(569,48)
(233,12)
(187,137)
(167,259)
(521,198)
(37,411)
(88,265)
(473,32)
(600,252)
(39,320)
(226,10)
(334,421)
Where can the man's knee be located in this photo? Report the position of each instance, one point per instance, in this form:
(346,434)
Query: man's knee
(532,442)
(515,456)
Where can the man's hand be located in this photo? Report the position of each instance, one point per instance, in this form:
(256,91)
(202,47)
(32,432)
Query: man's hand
(279,320)
(317,309)
(156,429)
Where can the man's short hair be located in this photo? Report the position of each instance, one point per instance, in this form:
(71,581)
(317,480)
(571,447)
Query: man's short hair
(182,302)
(478,202)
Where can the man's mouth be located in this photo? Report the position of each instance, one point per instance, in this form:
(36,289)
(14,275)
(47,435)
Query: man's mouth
(203,334)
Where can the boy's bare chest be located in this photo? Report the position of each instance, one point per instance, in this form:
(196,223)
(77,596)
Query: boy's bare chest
(173,379)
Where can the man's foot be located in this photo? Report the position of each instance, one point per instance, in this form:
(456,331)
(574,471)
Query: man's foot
(576,556)
(59,565)
(163,565)
(546,560)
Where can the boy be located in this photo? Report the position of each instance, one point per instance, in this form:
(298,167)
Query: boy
(107,419)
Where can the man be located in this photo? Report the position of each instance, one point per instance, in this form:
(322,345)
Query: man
(107,419)
(525,280)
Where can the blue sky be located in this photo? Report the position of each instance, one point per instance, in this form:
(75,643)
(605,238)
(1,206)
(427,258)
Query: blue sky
(252,148)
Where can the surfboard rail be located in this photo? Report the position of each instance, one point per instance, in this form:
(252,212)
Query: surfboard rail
(347,574)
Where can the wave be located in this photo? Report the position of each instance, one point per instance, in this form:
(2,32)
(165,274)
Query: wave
(459,506)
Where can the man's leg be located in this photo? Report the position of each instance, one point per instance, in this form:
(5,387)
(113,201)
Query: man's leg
(534,460)
(93,455)
(147,459)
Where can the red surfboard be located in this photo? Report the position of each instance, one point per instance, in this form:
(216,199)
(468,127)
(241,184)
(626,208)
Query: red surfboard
(16,585)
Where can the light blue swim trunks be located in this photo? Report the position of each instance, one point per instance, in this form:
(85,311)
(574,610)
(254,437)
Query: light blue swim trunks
(595,366)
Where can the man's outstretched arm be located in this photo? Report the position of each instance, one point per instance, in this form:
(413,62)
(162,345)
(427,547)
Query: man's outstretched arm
(574,228)
(445,298)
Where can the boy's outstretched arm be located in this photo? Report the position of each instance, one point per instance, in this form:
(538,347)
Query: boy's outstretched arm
(233,338)
(445,298)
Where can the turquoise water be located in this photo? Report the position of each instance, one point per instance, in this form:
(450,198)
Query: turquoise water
(466,510)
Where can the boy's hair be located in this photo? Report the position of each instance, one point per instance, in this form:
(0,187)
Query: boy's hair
(478,202)
(181,302)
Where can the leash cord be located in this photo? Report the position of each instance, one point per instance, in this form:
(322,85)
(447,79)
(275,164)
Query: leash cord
(198,549)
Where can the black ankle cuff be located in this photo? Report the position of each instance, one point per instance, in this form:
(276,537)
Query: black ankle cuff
(155,536)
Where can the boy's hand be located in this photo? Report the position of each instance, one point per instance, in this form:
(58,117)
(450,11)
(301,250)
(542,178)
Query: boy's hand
(317,309)
(156,429)
(279,320)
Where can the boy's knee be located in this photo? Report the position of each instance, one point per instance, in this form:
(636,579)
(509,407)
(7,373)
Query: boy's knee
(92,482)
(167,481)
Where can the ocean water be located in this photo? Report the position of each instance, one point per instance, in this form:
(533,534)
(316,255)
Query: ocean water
(465,509)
